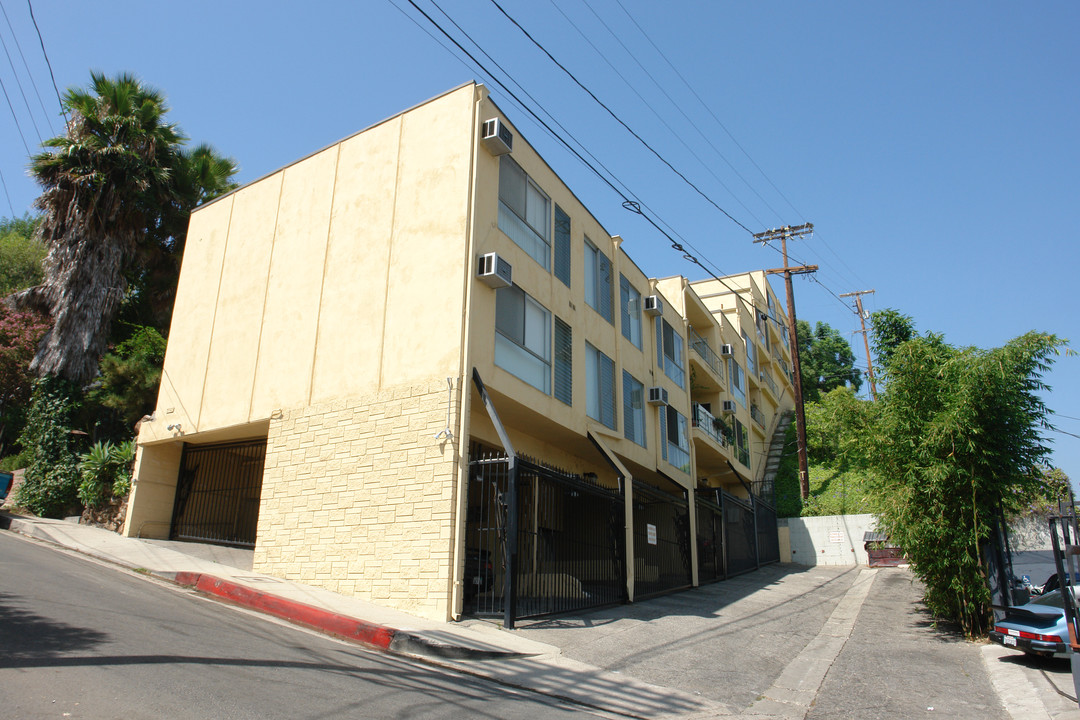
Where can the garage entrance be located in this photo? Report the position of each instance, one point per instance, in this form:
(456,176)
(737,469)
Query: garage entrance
(217,493)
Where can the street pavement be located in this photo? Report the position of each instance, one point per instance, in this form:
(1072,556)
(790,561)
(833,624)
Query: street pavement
(784,641)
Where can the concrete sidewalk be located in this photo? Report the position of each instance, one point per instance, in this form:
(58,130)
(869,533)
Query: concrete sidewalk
(761,645)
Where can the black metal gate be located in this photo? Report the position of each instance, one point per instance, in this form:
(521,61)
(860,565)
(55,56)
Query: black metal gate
(570,539)
(661,540)
(710,539)
(739,534)
(768,539)
(217,493)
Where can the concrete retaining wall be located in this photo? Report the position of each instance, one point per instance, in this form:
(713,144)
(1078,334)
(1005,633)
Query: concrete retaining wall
(827,540)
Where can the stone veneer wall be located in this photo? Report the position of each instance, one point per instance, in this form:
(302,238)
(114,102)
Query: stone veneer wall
(358,498)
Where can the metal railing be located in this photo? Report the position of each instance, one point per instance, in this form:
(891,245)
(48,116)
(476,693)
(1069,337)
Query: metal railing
(701,347)
(770,382)
(708,424)
(757,415)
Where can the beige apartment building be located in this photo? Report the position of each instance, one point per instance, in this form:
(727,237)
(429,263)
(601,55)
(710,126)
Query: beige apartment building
(414,368)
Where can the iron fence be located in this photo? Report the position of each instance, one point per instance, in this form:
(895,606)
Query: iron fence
(661,540)
(739,534)
(768,540)
(217,493)
(710,540)
(570,540)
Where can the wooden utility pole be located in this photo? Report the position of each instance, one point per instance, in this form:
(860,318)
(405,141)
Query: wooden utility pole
(782,234)
(866,341)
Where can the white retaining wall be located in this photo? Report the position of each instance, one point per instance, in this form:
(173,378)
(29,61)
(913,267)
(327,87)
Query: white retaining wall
(826,540)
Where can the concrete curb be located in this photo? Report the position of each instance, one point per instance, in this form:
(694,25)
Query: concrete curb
(369,634)
(372,635)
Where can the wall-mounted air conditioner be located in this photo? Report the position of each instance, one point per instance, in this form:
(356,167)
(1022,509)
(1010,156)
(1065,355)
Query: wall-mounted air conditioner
(725,350)
(496,137)
(728,407)
(654,305)
(658,396)
(494,271)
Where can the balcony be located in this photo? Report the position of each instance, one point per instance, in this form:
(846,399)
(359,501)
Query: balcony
(770,383)
(705,356)
(708,424)
(757,415)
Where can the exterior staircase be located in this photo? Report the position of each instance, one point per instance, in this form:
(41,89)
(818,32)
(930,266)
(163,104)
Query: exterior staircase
(766,485)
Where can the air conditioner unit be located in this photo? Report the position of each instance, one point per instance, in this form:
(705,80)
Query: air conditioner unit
(494,271)
(654,305)
(725,350)
(728,407)
(496,137)
(658,396)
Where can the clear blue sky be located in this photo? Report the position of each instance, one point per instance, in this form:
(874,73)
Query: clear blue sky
(933,145)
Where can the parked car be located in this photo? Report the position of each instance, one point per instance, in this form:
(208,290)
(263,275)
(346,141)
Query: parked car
(6,479)
(1038,627)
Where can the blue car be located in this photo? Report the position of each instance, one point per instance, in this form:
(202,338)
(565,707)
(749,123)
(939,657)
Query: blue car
(1038,628)
(6,479)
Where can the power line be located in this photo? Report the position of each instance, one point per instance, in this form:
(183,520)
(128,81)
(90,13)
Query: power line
(26,66)
(41,40)
(619,120)
(18,82)
(629,202)
(672,103)
(14,117)
(7,194)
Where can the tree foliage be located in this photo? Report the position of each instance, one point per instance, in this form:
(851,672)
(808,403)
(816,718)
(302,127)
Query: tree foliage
(825,360)
(21,254)
(19,335)
(129,375)
(117,188)
(955,443)
(50,487)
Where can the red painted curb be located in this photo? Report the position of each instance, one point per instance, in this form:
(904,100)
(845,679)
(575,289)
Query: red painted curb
(323,620)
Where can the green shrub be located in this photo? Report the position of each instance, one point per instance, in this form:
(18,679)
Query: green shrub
(50,487)
(105,472)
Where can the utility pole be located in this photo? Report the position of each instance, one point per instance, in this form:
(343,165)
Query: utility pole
(866,342)
(787,271)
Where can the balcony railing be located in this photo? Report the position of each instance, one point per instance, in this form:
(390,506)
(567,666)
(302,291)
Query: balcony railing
(701,347)
(770,382)
(704,420)
(757,415)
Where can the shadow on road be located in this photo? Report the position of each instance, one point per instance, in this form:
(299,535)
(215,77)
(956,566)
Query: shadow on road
(25,636)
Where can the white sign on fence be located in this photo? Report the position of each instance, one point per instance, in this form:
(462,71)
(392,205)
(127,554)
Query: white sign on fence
(650,531)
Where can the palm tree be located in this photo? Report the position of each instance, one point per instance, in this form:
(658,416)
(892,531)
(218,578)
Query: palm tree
(117,190)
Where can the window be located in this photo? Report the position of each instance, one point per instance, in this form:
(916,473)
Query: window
(674,440)
(630,308)
(738,381)
(751,354)
(669,351)
(524,211)
(598,281)
(742,442)
(564,363)
(633,409)
(599,386)
(523,337)
(562,246)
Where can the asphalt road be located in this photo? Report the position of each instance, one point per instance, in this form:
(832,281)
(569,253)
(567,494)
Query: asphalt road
(83,640)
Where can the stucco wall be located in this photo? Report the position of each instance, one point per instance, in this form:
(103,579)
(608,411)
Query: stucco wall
(358,497)
(826,540)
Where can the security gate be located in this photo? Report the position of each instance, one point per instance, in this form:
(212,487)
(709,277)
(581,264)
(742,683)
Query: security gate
(710,539)
(768,544)
(739,534)
(217,493)
(661,540)
(570,540)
